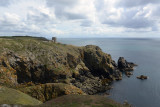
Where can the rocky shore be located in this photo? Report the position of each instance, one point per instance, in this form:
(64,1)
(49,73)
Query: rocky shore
(46,70)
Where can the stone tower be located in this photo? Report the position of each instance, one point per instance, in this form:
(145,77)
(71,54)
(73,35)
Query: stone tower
(54,39)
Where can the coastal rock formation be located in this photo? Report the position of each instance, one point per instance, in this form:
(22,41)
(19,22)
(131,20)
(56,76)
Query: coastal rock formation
(29,63)
(126,66)
(128,73)
(123,65)
(45,92)
(142,77)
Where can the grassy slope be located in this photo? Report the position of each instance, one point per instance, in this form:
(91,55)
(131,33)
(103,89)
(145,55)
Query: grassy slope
(20,44)
(12,96)
(40,47)
(82,101)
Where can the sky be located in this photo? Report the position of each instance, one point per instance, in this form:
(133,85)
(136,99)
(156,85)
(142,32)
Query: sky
(80,18)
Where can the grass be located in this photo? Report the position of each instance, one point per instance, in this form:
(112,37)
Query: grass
(40,47)
(12,96)
(82,101)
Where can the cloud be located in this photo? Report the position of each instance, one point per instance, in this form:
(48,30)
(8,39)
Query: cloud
(61,6)
(65,3)
(73,16)
(9,20)
(86,23)
(99,4)
(40,16)
(38,21)
(130,19)
(79,17)
(134,3)
(141,17)
(5,2)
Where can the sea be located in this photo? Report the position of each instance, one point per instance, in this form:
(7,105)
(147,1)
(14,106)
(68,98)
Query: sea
(145,52)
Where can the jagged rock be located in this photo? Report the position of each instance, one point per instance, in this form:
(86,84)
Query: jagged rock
(99,64)
(45,92)
(142,77)
(128,73)
(72,60)
(90,85)
(123,65)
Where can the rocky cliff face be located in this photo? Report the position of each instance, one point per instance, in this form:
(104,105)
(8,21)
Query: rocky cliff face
(30,60)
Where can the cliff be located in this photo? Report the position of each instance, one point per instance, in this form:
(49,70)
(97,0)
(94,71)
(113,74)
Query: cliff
(27,63)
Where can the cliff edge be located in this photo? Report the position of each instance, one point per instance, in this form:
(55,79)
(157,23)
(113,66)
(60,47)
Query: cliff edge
(45,70)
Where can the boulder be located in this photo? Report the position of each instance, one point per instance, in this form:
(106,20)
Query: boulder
(128,74)
(124,65)
(142,77)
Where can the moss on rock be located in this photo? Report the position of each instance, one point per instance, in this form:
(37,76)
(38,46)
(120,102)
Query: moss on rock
(45,92)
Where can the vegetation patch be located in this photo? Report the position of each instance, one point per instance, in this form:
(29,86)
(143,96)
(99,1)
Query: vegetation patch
(82,101)
(12,96)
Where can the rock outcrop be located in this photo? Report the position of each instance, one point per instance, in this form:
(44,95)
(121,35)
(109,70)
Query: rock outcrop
(30,60)
(123,65)
(142,77)
(45,92)
(126,66)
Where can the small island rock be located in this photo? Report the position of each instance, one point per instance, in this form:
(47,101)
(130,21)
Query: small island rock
(142,77)
(124,65)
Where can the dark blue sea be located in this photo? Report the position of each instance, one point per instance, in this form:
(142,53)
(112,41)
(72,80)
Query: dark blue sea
(146,54)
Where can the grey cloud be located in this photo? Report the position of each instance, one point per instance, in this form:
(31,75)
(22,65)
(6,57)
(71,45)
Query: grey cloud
(4,2)
(134,3)
(36,22)
(99,4)
(74,16)
(155,12)
(6,23)
(24,27)
(154,28)
(8,28)
(60,9)
(39,18)
(86,23)
(131,23)
(61,2)
(62,14)
(137,23)
(129,20)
